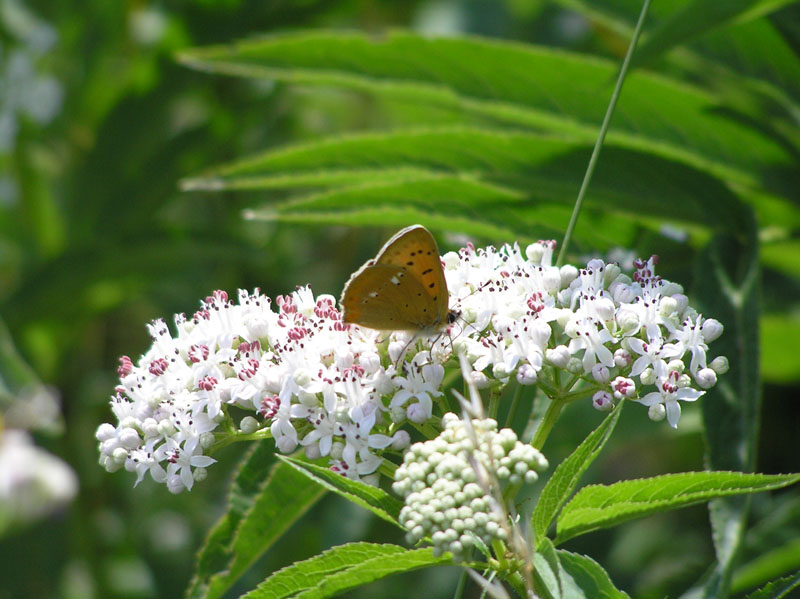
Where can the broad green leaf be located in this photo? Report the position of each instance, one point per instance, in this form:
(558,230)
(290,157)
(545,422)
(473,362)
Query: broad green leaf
(777,589)
(603,506)
(341,569)
(697,18)
(516,84)
(566,477)
(774,563)
(374,499)
(727,282)
(254,521)
(584,578)
(461,167)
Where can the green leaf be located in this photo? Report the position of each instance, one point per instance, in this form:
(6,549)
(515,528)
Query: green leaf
(697,18)
(374,499)
(517,84)
(547,569)
(566,477)
(465,169)
(603,506)
(265,500)
(776,562)
(341,569)
(727,282)
(777,588)
(584,578)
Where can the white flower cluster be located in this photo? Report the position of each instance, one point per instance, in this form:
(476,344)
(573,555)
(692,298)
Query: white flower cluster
(444,485)
(525,318)
(308,379)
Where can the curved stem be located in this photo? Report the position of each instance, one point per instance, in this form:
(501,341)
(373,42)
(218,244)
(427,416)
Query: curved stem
(601,136)
(547,423)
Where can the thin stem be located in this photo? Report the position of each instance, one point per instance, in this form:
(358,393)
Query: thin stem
(601,137)
(512,411)
(462,583)
(547,423)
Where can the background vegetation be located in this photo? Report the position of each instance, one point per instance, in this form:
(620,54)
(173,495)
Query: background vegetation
(99,124)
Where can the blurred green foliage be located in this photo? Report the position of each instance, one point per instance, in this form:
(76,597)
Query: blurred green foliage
(98,124)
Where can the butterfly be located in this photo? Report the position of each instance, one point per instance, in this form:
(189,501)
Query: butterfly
(402,289)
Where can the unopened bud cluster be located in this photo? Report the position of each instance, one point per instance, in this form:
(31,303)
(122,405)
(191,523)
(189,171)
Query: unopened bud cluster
(445,483)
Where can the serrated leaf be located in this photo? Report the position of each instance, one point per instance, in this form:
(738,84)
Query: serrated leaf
(777,589)
(566,477)
(456,169)
(769,565)
(343,568)
(584,578)
(374,499)
(260,510)
(513,83)
(603,506)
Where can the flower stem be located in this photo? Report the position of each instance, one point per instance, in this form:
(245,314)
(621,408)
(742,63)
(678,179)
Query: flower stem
(512,410)
(547,423)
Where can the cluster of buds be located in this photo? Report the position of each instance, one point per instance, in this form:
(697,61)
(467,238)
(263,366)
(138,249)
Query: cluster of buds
(447,483)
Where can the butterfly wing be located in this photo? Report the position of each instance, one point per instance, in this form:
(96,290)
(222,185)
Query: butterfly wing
(386,297)
(414,249)
(403,288)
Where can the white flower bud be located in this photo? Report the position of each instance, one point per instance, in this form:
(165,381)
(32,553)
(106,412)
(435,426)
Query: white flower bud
(129,438)
(166,428)
(302,377)
(416,412)
(551,280)
(451,261)
(706,378)
(175,484)
(248,425)
(711,329)
(371,361)
(119,455)
(622,358)
(667,306)
(605,308)
(602,401)
(286,444)
(568,274)
(105,432)
(199,474)
(719,365)
(624,294)
(526,375)
(395,349)
(656,412)
(479,379)
(313,451)
(575,366)
(400,440)
(601,373)
(684,380)
(558,356)
(534,253)
(648,376)
(257,327)
(627,320)
(612,272)
(150,428)
(207,440)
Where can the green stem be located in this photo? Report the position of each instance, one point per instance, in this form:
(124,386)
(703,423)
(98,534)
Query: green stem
(547,423)
(512,410)
(601,137)
(494,403)
(234,437)
(462,583)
